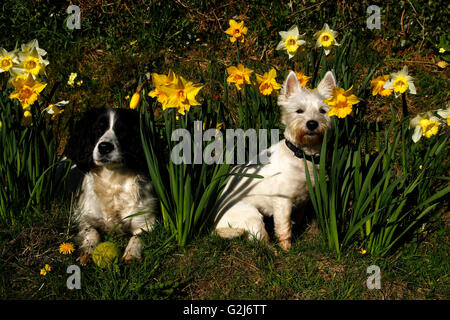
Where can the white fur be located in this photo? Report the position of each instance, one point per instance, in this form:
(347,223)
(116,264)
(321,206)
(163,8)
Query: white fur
(247,200)
(109,194)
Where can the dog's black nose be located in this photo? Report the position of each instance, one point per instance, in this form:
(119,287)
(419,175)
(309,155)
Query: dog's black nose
(105,148)
(312,124)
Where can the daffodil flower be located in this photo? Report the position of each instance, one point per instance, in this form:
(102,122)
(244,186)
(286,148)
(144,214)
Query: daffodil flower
(160,80)
(239,75)
(400,82)
(26,90)
(54,109)
(377,85)
(236,30)
(290,41)
(341,102)
(326,38)
(302,78)
(445,115)
(267,83)
(7,59)
(32,62)
(33,44)
(425,125)
(71,81)
(181,95)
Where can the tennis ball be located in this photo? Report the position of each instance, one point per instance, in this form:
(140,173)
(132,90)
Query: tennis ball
(105,254)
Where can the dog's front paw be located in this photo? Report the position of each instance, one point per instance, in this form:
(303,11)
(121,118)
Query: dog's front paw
(285,244)
(84,258)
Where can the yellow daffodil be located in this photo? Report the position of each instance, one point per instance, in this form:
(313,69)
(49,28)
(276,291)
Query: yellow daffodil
(7,59)
(302,78)
(425,125)
(341,102)
(377,85)
(160,80)
(181,95)
(26,90)
(445,115)
(290,41)
(400,82)
(71,81)
(239,75)
(236,30)
(134,102)
(267,83)
(66,248)
(326,38)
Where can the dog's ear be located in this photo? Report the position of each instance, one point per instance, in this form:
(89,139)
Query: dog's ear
(327,84)
(291,85)
(80,146)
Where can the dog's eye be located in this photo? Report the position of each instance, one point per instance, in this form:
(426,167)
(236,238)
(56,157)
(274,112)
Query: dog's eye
(322,111)
(299,111)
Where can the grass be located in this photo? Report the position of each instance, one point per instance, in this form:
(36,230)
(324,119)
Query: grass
(213,268)
(188,37)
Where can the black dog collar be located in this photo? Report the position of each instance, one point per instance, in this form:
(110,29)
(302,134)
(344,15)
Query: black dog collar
(299,153)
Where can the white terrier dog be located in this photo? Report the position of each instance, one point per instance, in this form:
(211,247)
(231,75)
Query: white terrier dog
(246,200)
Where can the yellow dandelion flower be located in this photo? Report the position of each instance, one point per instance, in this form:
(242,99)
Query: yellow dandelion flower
(43,272)
(267,83)
(79,83)
(66,248)
(133,42)
(341,102)
(377,85)
(47,268)
(236,30)
(239,75)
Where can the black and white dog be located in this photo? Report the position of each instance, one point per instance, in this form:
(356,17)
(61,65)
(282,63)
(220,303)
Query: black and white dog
(106,146)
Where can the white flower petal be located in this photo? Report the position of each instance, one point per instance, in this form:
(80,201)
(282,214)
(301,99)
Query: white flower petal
(417,134)
(280,45)
(412,88)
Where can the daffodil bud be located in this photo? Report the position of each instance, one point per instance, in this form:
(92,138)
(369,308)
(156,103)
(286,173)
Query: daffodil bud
(135,100)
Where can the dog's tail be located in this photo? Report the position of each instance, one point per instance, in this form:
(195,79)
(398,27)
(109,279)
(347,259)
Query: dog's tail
(229,233)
